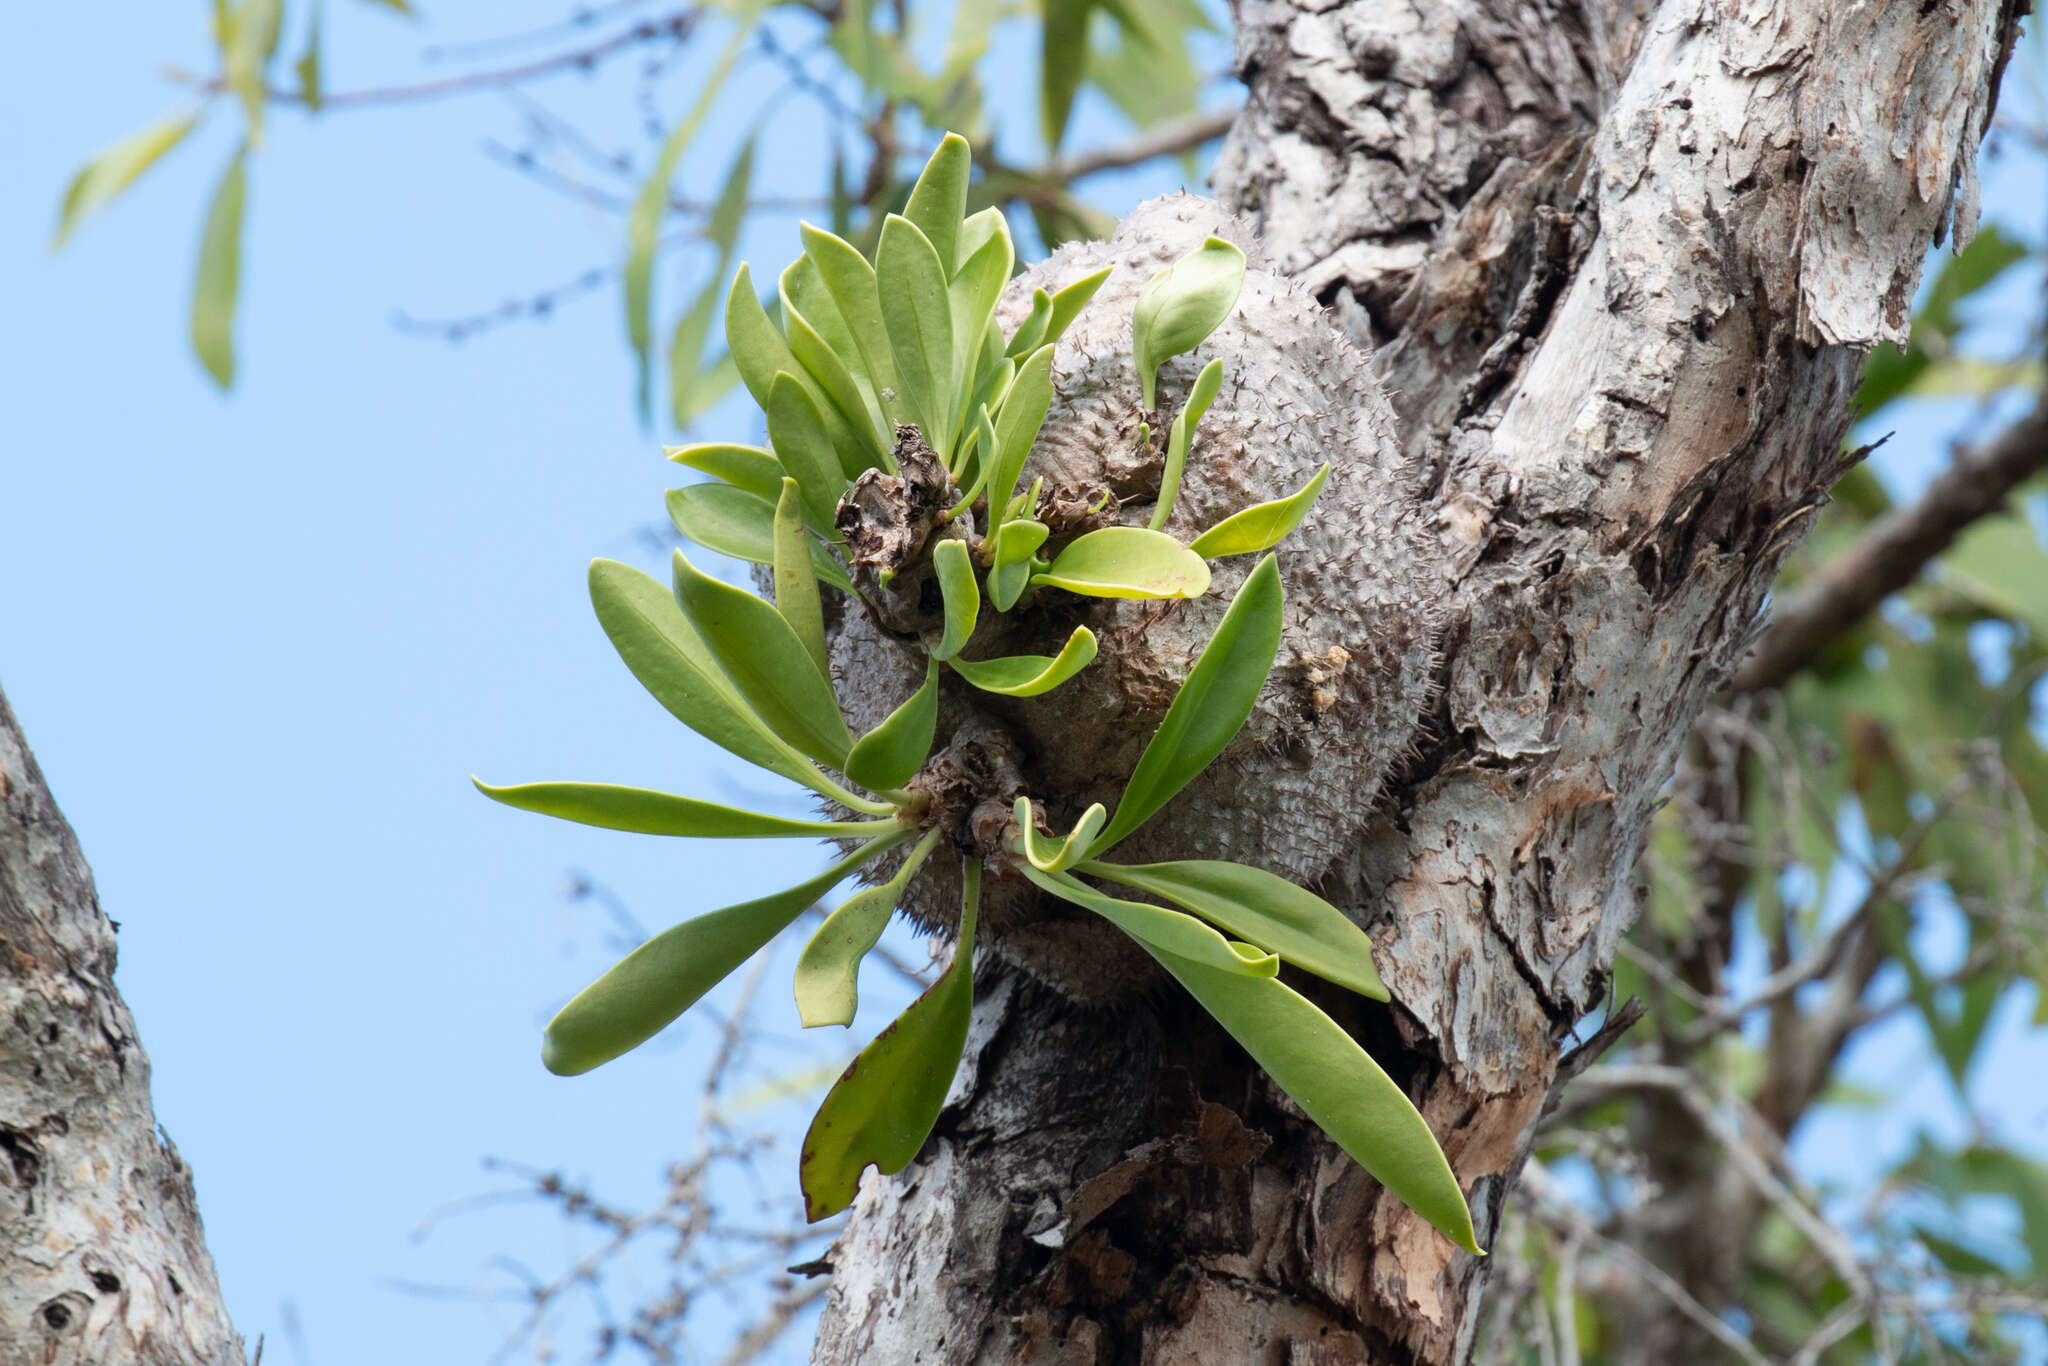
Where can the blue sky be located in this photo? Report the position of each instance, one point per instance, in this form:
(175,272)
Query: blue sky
(259,643)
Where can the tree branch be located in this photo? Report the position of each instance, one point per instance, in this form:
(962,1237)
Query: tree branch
(1893,551)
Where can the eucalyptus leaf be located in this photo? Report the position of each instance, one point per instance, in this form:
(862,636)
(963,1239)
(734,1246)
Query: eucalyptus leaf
(1062,62)
(1211,706)
(100,180)
(767,662)
(939,199)
(652,985)
(217,282)
(883,1106)
(1127,562)
(686,344)
(1016,542)
(890,755)
(1048,857)
(1029,675)
(954,568)
(1180,306)
(640,811)
(1262,525)
(1264,909)
(796,587)
(828,971)
(797,432)
(735,522)
(917,315)
(1159,930)
(744,467)
(1199,398)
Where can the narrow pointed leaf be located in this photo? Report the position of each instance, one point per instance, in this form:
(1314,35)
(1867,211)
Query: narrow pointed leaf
(1049,857)
(1030,333)
(829,372)
(1017,426)
(100,180)
(651,634)
(1264,909)
(1127,562)
(890,755)
(652,985)
(851,281)
(1262,525)
(643,812)
(955,570)
(767,662)
(796,587)
(217,282)
(828,972)
(1029,675)
(1159,929)
(1180,306)
(1199,398)
(1016,542)
(1062,62)
(917,316)
(883,1106)
(744,467)
(1210,707)
(939,199)
(693,328)
(797,432)
(1068,303)
(735,522)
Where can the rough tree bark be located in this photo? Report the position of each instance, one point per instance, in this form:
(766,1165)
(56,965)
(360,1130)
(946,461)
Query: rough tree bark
(1621,263)
(102,1259)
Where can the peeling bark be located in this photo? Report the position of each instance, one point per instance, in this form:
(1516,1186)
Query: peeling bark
(102,1259)
(1622,264)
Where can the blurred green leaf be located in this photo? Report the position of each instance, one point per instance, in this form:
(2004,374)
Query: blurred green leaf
(217,282)
(103,178)
(308,66)
(250,41)
(1063,64)
(693,328)
(1888,371)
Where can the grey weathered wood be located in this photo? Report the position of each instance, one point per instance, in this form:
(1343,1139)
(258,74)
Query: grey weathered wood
(102,1258)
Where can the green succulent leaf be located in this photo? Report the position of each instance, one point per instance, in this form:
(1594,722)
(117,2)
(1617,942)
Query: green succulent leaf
(1029,675)
(1199,398)
(652,985)
(850,280)
(640,811)
(1127,562)
(828,972)
(734,522)
(939,199)
(1211,706)
(651,634)
(1264,909)
(1068,303)
(1160,931)
(756,343)
(1017,426)
(796,587)
(917,314)
(974,294)
(1030,333)
(890,755)
(767,662)
(975,232)
(1262,525)
(1048,857)
(954,567)
(830,373)
(1180,306)
(797,433)
(803,287)
(883,1106)
(744,467)
(1016,542)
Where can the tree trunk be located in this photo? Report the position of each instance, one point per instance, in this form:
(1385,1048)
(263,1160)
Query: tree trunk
(1622,265)
(102,1259)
